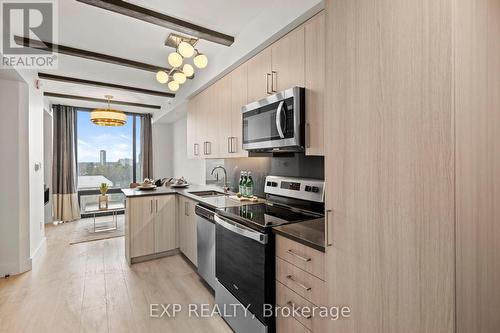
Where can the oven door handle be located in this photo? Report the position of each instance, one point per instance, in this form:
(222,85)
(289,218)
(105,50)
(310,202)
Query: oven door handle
(241,230)
(279,110)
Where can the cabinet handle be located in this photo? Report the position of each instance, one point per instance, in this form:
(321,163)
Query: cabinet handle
(233,145)
(186,204)
(267,84)
(306,288)
(229,144)
(196,149)
(298,256)
(151,202)
(327,227)
(156,202)
(274,78)
(209,148)
(308,135)
(293,305)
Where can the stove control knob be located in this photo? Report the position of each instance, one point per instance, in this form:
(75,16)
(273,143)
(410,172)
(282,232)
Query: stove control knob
(308,188)
(315,189)
(269,184)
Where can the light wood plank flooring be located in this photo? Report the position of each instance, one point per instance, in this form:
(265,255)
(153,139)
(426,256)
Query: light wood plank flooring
(89,287)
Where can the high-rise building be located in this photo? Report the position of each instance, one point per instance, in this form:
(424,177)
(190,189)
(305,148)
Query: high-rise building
(102,159)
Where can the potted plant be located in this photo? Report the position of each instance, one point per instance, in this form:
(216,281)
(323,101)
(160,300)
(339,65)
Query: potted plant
(103,198)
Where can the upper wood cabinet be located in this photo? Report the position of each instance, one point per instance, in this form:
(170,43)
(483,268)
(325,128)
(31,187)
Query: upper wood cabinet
(238,99)
(297,59)
(288,61)
(278,67)
(193,119)
(220,125)
(259,76)
(315,83)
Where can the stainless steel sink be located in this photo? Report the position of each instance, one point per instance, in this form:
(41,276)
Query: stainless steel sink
(207,194)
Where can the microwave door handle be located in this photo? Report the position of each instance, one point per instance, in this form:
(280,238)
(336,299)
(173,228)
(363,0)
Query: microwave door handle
(279,110)
(240,230)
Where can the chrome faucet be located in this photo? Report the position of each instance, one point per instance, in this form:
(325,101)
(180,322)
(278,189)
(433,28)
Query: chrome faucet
(225,187)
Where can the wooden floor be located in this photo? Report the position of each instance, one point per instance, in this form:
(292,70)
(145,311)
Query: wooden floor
(89,287)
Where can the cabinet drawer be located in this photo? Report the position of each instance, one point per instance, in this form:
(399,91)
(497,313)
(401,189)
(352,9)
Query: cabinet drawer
(304,257)
(285,297)
(306,285)
(290,325)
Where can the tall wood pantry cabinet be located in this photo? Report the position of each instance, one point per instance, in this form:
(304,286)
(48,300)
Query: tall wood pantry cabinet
(413,165)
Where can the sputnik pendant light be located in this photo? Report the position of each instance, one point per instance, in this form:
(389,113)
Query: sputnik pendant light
(108,117)
(184,49)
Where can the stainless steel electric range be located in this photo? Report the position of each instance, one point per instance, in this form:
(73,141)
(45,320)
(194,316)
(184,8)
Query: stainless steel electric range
(244,247)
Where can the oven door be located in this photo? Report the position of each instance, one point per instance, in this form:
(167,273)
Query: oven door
(275,122)
(244,265)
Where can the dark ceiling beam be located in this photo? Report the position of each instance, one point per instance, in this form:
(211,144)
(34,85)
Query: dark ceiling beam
(66,79)
(148,15)
(101,100)
(71,51)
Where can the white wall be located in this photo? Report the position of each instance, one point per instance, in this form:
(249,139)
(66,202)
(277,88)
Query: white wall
(14,199)
(162,151)
(36,152)
(192,170)
(47,158)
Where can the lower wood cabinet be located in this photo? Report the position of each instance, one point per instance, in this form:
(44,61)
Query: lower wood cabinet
(298,286)
(187,228)
(150,226)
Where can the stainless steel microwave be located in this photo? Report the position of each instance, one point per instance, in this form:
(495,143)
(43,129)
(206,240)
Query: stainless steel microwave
(275,123)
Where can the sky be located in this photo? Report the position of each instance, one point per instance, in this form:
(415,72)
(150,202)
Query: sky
(117,141)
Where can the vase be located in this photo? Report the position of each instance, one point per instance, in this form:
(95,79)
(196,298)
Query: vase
(103,202)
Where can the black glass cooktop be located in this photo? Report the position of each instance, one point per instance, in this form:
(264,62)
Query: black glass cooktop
(265,215)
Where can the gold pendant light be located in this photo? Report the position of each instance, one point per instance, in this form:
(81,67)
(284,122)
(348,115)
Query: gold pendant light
(108,117)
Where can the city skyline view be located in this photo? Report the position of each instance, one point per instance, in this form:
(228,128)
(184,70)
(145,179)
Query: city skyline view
(116,141)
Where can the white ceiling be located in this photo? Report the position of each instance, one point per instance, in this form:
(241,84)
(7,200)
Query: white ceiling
(95,29)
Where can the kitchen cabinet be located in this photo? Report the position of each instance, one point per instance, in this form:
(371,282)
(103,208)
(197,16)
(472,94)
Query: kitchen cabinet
(238,99)
(186,218)
(150,226)
(315,84)
(287,61)
(259,76)
(141,222)
(165,225)
(193,126)
(389,165)
(214,115)
(278,67)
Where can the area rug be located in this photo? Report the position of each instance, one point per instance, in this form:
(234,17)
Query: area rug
(84,229)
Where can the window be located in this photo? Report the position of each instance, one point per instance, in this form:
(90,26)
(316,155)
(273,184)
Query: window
(106,155)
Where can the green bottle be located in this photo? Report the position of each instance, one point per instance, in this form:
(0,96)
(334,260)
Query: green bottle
(240,187)
(243,185)
(249,185)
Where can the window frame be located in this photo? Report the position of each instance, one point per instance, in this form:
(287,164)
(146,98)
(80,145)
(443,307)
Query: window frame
(80,192)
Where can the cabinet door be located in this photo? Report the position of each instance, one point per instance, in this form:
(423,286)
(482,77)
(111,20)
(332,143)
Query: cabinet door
(142,237)
(238,99)
(315,83)
(192,142)
(288,61)
(164,222)
(220,120)
(191,236)
(187,229)
(259,76)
